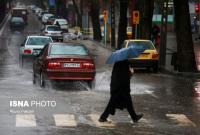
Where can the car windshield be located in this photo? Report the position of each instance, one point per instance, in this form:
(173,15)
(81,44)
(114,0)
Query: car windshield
(38,41)
(17,19)
(62,22)
(68,50)
(148,44)
(48,15)
(53,28)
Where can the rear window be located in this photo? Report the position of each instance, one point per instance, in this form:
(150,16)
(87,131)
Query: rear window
(62,22)
(68,50)
(139,44)
(17,19)
(38,41)
(53,28)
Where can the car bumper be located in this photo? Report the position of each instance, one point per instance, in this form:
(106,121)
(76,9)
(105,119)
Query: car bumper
(143,63)
(56,37)
(70,75)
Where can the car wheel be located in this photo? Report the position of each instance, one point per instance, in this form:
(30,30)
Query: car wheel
(42,80)
(91,84)
(34,78)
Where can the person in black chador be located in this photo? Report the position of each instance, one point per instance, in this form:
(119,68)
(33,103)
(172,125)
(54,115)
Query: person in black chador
(120,92)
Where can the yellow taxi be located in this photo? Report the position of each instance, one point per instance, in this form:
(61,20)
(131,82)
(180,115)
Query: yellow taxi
(148,59)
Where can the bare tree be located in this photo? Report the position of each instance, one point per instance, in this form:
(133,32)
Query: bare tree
(122,22)
(94,13)
(78,12)
(185,48)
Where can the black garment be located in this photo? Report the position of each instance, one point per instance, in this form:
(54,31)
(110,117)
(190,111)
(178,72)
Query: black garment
(120,90)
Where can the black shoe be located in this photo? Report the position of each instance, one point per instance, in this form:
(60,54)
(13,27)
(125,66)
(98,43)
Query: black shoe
(137,118)
(103,120)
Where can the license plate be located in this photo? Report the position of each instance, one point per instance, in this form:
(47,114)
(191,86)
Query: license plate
(36,52)
(72,65)
(144,55)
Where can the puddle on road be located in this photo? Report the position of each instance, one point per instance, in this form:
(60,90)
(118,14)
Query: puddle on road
(103,84)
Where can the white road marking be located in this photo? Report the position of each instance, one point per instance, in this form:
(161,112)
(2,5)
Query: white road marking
(95,117)
(181,119)
(65,120)
(25,120)
(151,93)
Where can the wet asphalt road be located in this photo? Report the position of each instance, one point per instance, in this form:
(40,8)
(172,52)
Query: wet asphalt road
(168,102)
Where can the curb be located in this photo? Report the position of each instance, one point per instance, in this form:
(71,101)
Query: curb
(162,70)
(4,20)
(102,45)
(181,74)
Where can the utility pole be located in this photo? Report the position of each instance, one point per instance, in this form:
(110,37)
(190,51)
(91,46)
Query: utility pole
(162,56)
(112,23)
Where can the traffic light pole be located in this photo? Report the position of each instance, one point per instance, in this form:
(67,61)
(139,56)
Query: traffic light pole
(162,51)
(136,20)
(105,31)
(136,31)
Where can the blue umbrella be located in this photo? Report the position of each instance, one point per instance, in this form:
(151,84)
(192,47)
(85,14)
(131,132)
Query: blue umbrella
(132,51)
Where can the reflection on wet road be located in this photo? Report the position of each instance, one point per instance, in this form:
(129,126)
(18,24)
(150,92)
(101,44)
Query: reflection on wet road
(171,104)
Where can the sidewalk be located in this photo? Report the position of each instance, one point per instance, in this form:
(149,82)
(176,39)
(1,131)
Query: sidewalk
(170,49)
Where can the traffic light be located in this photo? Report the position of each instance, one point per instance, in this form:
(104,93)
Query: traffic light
(136,17)
(197,8)
(105,15)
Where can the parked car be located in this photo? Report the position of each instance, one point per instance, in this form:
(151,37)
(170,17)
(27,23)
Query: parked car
(54,32)
(17,23)
(63,23)
(32,45)
(20,12)
(41,13)
(64,61)
(45,17)
(148,59)
(51,19)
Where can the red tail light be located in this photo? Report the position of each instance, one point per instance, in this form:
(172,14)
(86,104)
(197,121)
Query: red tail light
(88,65)
(54,64)
(155,55)
(27,51)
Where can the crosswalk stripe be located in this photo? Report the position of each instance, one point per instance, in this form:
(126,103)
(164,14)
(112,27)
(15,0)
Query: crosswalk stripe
(25,120)
(95,117)
(181,119)
(65,120)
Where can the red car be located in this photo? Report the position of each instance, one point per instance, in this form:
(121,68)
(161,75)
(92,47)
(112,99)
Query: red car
(64,61)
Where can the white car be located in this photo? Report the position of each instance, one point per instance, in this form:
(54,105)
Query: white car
(45,17)
(63,23)
(53,31)
(32,45)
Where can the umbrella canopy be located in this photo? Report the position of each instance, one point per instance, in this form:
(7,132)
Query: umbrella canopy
(126,53)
